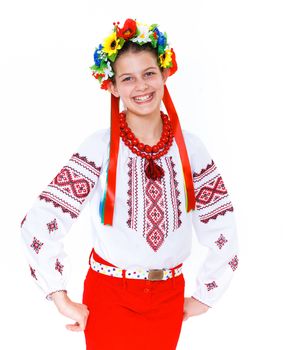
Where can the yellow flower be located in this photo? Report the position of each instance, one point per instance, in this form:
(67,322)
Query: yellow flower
(111,44)
(166,59)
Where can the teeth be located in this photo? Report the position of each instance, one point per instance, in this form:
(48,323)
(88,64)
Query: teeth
(142,98)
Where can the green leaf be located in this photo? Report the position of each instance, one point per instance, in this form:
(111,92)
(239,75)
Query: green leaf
(121,41)
(113,57)
(153,26)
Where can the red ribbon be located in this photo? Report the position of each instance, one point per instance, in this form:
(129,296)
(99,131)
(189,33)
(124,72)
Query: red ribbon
(182,148)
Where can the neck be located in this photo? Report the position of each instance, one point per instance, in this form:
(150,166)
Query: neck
(147,128)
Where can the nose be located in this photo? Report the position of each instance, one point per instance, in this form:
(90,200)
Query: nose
(141,85)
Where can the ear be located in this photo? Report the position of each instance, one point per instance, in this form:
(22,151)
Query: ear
(113,89)
(165,74)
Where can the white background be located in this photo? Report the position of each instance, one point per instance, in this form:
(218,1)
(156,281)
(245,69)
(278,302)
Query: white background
(228,90)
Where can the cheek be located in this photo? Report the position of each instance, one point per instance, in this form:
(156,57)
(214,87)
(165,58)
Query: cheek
(157,83)
(124,91)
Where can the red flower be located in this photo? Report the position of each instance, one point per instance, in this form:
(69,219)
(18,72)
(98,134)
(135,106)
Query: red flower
(105,84)
(98,75)
(129,29)
(174,67)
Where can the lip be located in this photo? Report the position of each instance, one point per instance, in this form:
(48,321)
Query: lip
(150,94)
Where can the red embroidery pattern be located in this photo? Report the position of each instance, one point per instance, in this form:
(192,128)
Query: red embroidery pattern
(36,245)
(234,263)
(69,189)
(222,210)
(59,266)
(59,203)
(211,285)
(212,197)
(72,183)
(52,225)
(155,226)
(132,194)
(32,271)
(175,193)
(155,221)
(209,169)
(221,241)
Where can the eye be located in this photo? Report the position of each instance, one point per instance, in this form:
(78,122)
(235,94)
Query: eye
(149,73)
(127,79)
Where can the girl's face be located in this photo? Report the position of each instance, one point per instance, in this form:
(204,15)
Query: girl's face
(139,82)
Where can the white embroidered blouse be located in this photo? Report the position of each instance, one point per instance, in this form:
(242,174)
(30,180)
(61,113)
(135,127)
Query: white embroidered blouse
(151,228)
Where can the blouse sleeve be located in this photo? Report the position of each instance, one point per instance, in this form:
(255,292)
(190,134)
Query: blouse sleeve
(214,224)
(54,211)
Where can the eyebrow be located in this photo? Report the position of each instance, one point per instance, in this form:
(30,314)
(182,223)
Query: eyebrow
(132,73)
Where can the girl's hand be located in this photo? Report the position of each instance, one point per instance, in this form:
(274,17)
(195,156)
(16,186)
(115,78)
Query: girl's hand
(75,311)
(193,307)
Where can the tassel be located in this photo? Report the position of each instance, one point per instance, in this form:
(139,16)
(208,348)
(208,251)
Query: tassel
(153,171)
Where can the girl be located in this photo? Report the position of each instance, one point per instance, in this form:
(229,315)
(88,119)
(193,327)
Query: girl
(166,183)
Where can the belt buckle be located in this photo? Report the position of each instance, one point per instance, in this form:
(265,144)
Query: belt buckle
(155,274)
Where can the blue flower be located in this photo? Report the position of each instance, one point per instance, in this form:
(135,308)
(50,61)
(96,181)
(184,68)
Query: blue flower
(161,39)
(96,56)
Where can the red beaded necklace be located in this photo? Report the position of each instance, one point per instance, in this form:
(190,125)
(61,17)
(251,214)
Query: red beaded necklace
(150,153)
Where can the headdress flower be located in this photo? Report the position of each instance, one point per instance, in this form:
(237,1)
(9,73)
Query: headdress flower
(139,33)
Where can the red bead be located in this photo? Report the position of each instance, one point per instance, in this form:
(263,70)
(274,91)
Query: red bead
(141,146)
(136,147)
(147,148)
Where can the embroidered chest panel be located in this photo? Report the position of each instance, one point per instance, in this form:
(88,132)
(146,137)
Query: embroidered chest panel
(154,206)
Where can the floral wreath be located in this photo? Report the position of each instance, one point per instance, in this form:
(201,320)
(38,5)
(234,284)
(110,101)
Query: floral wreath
(138,33)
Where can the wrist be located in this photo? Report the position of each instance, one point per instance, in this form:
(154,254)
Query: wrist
(57,295)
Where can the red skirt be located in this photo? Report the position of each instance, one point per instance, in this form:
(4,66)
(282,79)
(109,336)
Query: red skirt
(132,314)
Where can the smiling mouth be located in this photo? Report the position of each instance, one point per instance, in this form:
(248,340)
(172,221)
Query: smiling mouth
(144,98)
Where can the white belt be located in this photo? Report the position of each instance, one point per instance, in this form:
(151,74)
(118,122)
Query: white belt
(149,274)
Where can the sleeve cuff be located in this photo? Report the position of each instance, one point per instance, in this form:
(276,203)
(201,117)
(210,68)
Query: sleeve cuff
(210,306)
(49,296)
